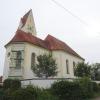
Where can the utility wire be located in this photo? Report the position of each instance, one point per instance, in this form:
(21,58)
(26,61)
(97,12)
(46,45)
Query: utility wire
(68,11)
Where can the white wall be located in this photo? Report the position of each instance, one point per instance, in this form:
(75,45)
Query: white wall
(58,55)
(61,58)
(29,49)
(9,48)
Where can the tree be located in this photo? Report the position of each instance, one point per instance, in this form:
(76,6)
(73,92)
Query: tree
(83,69)
(46,66)
(95,71)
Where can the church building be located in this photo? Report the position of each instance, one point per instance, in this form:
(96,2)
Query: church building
(23,49)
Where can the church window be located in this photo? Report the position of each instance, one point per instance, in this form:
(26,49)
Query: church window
(67,66)
(74,65)
(16,59)
(32,60)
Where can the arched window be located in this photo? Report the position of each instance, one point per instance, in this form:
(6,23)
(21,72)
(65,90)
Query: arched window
(67,66)
(18,59)
(74,65)
(32,59)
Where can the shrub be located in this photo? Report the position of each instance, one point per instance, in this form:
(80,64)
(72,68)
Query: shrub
(23,94)
(66,90)
(1,86)
(95,87)
(32,90)
(7,83)
(15,84)
(45,94)
(99,87)
(7,94)
(86,87)
(11,84)
(1,94)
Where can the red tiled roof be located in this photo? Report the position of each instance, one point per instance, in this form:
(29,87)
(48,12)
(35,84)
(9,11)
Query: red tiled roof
(0,79)
(56,44)
(22,36)
(50,43)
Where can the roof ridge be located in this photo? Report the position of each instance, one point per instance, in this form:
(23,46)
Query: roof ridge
(50,43)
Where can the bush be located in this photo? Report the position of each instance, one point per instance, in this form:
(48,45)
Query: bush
(86,87)
(7,94)
(23,94)
(1,94)
(32,90)
(1,86)
(67,90)
(95,87)
(99,87)
(45,94)
(11,84)
(7,83)
(15,84)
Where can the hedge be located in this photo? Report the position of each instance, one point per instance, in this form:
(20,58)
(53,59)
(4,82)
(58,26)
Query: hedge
(74,90)
(11,84)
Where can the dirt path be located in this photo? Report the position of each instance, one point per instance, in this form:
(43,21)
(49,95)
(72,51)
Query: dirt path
(98,98)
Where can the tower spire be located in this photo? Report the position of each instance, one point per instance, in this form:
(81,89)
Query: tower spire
(27,23)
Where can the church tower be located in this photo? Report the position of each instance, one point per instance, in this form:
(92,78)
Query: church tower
(27,23)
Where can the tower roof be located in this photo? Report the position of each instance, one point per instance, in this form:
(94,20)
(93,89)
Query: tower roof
(27,23)
(24,18)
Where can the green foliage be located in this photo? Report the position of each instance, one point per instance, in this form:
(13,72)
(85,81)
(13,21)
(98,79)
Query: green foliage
(1,86)
(95,87)
(23,94)
(86,87)
(99,87)
(80,89)
(95,71)
(8,94)
(41,93)
(83,70)
(1,94)
(33,90)
(66,89)
(7,83)
(11,84)
(46,66)
(46,95)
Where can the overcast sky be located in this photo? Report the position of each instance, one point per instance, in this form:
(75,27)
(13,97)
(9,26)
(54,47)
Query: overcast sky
(52,19)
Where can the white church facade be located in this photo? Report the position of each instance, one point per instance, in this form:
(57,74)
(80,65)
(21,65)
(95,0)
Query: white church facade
(25,46)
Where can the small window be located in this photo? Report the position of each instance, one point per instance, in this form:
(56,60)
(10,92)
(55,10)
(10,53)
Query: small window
(32,59)
(67,66)
(74,65)
(18,59)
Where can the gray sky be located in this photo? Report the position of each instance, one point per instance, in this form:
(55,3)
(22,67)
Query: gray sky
(51,19)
